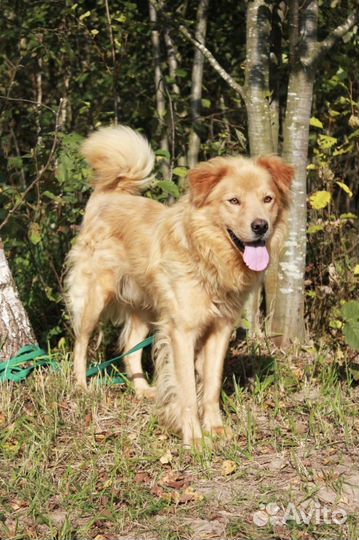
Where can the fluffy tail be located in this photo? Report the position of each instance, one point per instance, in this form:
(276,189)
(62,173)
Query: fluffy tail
(121,158)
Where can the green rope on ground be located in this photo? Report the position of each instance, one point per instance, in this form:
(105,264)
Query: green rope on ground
(34,357)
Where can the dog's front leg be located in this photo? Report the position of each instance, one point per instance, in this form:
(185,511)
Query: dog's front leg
(212,356)
(183,356)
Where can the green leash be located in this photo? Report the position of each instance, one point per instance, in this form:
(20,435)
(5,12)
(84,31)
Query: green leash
(13,370)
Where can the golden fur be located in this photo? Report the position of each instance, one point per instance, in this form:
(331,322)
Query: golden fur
(171,269)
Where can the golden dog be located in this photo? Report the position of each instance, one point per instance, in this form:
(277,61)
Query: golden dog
(184,270)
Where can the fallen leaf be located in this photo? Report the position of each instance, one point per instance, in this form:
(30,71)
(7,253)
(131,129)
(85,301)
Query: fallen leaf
(190,495)
(228,467)
(157,491)
(16,504)
(142,477)
(166,458)
(176,484)
(174,480)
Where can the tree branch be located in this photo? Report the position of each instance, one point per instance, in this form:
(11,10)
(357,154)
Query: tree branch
(31,101)
(339,32)
(213,62)
(206,53)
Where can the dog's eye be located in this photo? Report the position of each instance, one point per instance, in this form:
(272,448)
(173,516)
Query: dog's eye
(234,200)
(268,199)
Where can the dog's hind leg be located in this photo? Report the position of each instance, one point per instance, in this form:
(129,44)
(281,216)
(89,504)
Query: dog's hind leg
(87,321)
(134,331)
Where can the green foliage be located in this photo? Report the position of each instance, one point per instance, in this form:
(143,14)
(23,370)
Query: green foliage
(333,218)
(38,240)
(350,314)
(169,188)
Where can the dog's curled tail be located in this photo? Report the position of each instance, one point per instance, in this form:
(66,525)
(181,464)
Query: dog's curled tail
(121,158)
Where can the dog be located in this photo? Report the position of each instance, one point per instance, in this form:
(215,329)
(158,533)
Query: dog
(183,271)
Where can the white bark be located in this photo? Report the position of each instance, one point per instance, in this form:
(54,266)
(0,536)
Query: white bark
(197,77)
(288,317)
(172,55)
(259,114)
(15,327)
(159,85)
(257,89)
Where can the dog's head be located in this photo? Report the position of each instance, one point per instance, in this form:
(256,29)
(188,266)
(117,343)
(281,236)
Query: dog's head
(245,198)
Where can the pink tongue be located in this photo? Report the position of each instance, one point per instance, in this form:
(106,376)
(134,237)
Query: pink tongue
(256,258)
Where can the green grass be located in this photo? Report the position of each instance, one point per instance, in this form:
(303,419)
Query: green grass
(76,466)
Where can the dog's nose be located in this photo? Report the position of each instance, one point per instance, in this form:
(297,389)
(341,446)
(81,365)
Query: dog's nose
(259,226)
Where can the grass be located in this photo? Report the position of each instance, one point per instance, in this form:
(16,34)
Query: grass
(98,466)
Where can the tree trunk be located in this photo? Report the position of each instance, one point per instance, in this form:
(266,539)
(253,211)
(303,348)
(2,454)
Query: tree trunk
(288,316)
(15,327)
(257,91)
(160,88)
(115,69)
(172,55)
(261,133)
(275,63)
(197,77)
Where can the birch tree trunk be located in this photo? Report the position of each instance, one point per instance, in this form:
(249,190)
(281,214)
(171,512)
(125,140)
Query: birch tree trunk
(15,327)
(172,54)
(288,315)
(275,63)
(197,77)
(159,85)
(262,124)
(257,91)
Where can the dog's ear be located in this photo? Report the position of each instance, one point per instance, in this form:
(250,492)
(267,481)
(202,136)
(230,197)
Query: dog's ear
(281,172)
(204,177)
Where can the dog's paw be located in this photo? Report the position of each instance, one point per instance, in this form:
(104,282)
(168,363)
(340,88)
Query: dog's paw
(218,431)
(224,432)
(197,444)
(81,384)
(146,393)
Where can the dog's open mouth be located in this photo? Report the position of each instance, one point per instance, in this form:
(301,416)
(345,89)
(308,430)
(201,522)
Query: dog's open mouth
(255,254)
